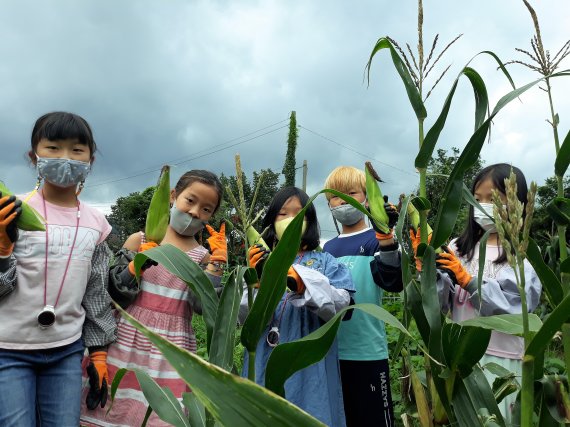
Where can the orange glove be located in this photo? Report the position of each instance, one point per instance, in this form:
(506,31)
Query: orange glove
(98,380)
(149,262)
(218,244)
(10,210)
(294,281)
(257,256)
(449,262)
(415,238)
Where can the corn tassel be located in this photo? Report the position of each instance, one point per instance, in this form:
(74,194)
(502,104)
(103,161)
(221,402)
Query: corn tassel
(254,238)
(30,219)
(159,210)
(375,199)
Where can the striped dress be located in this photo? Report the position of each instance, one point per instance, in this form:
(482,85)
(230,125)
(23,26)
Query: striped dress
(162,306)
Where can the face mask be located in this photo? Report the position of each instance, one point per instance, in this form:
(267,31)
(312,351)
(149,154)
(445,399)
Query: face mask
(62,172)
(280,226)
(483,220)
(184,223)
(347,214)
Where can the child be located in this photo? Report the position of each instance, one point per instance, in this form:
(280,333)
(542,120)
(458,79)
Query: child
(457,284)
(374,263)
(316,389)
(53,297)
(163,302)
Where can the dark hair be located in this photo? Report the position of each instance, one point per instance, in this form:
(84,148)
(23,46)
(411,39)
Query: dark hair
(61,125)
(203,176)
(311,238)
(473,232)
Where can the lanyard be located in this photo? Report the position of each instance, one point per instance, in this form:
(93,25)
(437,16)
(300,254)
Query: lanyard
(46,254)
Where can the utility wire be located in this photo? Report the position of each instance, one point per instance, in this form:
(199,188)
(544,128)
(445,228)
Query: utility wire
(194,156)
(366,156)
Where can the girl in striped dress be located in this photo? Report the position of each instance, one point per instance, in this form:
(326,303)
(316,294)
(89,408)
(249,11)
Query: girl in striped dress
(163,302)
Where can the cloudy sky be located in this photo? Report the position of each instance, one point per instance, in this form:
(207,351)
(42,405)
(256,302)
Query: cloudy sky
(192,83)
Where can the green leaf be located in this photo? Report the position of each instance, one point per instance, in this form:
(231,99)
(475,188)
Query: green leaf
(161,400)
(559,210)
(430,302)
(563,157)
(481,107)
(288,358)
(115,385)
(421,203)
(233,401)
(501,66)
(510,324)
(551,325)
(473,398)
(179,263)
(196,413)
(548,390)
(463,346)
(221,349)
(550,282)
(411,90)
(469,198)
(414,305)
(482,256)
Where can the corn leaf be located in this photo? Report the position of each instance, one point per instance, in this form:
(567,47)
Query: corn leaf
(221,349)
(481,107)
(161,400)
(550,281)
(244,403)
(179,263)
(196,414)
(451,199)
(463,347)
(288,358)
(29,219)
(551,325)
(158,212)
(563,157)
(424,413)
(430,301)
(559,210)
(510,324)
(411,89)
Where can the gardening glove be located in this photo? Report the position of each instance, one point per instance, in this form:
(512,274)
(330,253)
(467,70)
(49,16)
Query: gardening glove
(294,281)
(10,210)
(218,244)
(149,262)
(98,380)
(258,254)
(415,239)
(449,262)
(393,216)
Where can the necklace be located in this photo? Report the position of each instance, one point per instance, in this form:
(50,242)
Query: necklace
(46,317)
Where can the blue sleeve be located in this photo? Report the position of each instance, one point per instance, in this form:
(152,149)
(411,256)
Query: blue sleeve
(337,273)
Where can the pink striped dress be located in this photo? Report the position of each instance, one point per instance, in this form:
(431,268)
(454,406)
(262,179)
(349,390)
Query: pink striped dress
(162,306)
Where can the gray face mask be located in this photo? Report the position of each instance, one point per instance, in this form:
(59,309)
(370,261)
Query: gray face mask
(347,214)
(184,223)
(62,172)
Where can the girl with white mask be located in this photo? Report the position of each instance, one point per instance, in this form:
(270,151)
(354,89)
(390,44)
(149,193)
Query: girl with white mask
(53,285)
(162,302)
(459,267)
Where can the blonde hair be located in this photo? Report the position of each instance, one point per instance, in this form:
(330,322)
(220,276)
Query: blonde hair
(344,179)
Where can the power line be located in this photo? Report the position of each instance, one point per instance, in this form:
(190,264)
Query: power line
(366,156)
(194,157)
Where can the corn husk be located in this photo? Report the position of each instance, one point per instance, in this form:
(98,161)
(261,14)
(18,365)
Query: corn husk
(30,219)
(159,210)
(254,238)
(375,198)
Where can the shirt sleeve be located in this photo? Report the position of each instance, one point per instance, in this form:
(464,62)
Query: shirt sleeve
(7,275)
(386,270)
(337,273)
(100,326)
(501,295)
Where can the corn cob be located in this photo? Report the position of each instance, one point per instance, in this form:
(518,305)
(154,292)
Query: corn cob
(159,210)
(30,219)
(375,198)
(414,217)
(255,238)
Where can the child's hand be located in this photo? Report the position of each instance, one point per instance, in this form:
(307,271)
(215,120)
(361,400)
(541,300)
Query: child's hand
(257,256)
(149,262)
(449,262)
(294,281)
(218,244)
(10,210)
(98,380)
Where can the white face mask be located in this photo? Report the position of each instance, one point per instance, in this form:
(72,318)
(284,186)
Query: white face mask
(483,220)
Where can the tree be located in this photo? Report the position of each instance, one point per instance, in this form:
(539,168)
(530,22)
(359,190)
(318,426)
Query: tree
(128,215)
(289,167)
(439,168)
(543,228)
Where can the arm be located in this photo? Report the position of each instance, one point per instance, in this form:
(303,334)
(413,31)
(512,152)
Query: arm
(100,326)
(7,275)
(386,268)
(501,295)
(194,300)
(123,286)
